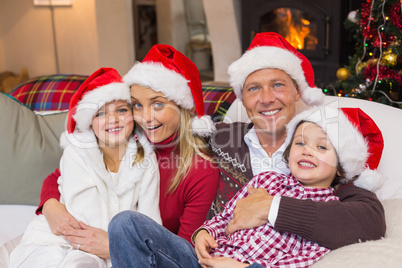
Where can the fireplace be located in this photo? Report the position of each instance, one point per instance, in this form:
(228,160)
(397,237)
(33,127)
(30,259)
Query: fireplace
(314,27)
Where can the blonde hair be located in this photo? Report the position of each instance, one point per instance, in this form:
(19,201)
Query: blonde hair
(189,146)
(140,155)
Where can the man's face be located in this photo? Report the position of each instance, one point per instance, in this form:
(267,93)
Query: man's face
(269,96)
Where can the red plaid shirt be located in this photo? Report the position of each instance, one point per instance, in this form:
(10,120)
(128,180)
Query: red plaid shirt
(263,244)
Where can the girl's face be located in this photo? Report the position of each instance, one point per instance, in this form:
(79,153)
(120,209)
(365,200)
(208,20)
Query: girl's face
(113,123)
(158,116)
(312,158)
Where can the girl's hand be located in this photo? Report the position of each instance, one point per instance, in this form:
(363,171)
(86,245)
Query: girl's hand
(58,218)
(90,239)
(203,244)
(221,262)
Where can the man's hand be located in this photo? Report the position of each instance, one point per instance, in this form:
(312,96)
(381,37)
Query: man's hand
(251,211)
(90,239)
(221,262)
(203,244)
(58,218)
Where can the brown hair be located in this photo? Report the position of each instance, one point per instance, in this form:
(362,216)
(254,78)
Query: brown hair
(339,175)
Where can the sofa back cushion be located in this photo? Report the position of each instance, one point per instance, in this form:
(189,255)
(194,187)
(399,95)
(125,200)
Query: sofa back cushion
(29,150)
(48,93)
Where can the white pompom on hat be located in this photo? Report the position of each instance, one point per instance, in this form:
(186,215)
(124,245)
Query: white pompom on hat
(103,86)
(271,50)
(166,70)
(356,138)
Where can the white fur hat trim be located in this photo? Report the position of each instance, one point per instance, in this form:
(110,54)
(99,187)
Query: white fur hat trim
(95,99)
(370,180)
(203,126)
(154,75)
(275,58)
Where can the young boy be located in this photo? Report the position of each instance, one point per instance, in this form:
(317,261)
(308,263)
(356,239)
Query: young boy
(324,149)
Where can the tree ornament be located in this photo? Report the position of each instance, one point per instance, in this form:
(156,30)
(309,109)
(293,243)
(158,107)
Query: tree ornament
(389,58)
(353,16)
(342,74)
(361,66)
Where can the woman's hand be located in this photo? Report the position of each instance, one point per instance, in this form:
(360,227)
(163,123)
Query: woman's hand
(58,218)
(221,262)
(203,244)
(251,211)
(90,239)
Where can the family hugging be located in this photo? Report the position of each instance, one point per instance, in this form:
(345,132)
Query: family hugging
(147,180)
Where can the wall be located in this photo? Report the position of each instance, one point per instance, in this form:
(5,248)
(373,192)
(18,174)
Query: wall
(89,35)
(2,66)
(172,29)
(99,33)
(223,24)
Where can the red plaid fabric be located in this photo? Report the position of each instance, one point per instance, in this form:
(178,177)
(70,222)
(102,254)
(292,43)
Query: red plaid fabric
(48,93)
(263,244)
(217,101)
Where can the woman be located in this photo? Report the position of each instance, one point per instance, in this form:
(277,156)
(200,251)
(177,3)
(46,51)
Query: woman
(165,89)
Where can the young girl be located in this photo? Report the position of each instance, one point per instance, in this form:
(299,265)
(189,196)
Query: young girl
(318,154)
(165,89)
(104,170)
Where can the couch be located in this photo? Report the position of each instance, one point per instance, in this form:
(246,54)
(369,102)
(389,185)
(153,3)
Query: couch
(33,117)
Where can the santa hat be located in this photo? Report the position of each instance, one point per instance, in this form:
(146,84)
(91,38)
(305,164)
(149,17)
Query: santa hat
(103,86)
(356,138)
(166,70)
(271,50)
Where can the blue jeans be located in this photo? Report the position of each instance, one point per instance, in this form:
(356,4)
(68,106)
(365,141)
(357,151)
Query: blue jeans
(136,240)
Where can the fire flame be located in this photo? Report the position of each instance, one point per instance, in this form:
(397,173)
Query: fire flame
(295,29)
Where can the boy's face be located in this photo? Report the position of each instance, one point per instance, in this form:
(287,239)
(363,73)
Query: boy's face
(312,158)
(269,96)
(113,123)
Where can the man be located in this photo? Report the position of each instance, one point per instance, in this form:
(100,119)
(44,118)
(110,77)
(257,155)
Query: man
(269,79)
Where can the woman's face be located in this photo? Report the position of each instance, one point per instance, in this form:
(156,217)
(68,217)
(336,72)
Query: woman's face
(113,123)
(157,116)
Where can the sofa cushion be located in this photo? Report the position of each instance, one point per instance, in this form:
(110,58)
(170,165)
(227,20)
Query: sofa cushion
(29,150)
(48,93)
(217,101)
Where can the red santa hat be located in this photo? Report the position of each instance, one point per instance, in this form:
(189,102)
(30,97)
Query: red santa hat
(103,86)
(356,138)
(166,70)
(271,50)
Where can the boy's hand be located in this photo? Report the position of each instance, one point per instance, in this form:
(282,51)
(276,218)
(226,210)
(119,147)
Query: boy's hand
(203,244)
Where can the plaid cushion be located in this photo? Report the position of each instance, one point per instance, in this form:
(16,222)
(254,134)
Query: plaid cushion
(217,101)
(48,93)
(53,92)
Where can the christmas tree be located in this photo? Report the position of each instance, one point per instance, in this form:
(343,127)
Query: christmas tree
(374,72)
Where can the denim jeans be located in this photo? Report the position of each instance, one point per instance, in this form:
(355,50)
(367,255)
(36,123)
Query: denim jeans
(136,240)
